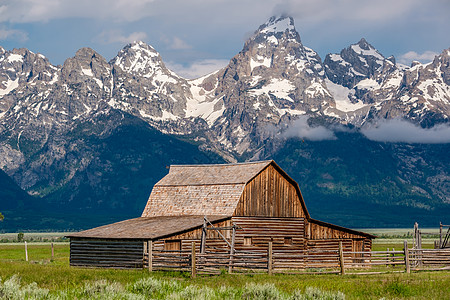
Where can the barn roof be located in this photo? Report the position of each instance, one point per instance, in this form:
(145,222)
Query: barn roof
(201,189)
(239,173)
(146,228)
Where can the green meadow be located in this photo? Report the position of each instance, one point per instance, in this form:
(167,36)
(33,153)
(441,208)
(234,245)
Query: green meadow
(45,278)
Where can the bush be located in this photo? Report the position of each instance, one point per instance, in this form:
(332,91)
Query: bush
(12,290)
(265,291)
(312,293)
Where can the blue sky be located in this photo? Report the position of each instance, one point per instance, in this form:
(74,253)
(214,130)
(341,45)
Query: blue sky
(198,36)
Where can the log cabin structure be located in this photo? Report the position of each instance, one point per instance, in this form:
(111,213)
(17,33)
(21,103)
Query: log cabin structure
(237,207)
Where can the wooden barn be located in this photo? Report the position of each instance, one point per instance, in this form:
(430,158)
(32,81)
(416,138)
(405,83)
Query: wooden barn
(241,206)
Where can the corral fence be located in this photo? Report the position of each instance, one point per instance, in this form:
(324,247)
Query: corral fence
(315,261)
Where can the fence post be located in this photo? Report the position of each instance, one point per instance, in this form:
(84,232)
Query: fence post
(233,237)
(440,235)
(26,251)
(193,267)
(203,239)
(341,258)
(150,255)
(393,257)
(53,252)
(405,247)
(144,251)
(269,259)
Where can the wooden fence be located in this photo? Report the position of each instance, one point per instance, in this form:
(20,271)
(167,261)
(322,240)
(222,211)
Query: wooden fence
(305,261)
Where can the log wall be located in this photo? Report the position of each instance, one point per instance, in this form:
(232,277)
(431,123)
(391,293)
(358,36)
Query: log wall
(322,231)
(106,253)
(270,194)
(284,233)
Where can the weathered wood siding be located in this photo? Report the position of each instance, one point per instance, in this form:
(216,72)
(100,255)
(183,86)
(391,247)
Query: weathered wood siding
(106,253)
(284,233)
(269,194)
(319,231)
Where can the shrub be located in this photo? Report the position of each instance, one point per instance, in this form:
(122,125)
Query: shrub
(313,293)
(12,290)
(265,291)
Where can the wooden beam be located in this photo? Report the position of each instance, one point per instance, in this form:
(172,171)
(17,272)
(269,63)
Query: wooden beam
(193,261)
(341,258)
(405,249)
(203,238)
(269,259)
(150,255)
(233,236)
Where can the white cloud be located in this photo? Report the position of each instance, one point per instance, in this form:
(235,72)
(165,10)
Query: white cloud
(23,11)
(175,43)
(132,10)
(410,56)
(116,36)
(301,129)
(198,68)
(320,10)
(13,34)
(400,131)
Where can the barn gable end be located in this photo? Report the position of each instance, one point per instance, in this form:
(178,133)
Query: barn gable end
(271,193)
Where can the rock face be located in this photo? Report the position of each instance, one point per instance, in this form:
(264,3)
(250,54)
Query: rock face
(51,116)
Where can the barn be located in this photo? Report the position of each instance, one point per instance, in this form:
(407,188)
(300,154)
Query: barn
(247,205)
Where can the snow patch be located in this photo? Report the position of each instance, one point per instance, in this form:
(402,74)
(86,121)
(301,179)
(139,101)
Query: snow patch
(370,52)
(260,61)
(87,72)
(368,84)
(280,88)
(10,86)
(15,57)
(341,97)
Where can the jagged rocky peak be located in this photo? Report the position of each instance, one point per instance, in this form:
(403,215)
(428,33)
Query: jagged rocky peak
(139,58)
(355,63)
(277,26)
(86,63)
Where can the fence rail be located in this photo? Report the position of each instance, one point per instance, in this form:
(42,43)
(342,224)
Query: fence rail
(304,261)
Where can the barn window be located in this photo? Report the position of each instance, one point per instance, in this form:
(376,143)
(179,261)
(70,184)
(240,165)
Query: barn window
(247,241)
(172,245)
(288,241)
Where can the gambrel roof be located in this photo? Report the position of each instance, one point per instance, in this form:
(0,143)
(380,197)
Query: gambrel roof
(201,189)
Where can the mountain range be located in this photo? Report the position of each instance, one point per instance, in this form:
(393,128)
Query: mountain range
(88,139)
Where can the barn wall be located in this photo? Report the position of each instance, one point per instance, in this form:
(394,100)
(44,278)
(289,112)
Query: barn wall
(106,253)
(318,231)
(270,195)
(284,233)
(253,233)
(195,235)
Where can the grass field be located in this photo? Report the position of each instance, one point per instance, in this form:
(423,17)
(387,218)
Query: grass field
(43,278)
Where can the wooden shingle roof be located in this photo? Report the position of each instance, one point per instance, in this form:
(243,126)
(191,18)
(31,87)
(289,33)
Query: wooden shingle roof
(146,228)
(240,173)
(201,189)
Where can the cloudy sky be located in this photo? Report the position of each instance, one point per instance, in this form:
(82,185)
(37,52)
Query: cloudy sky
(195,37)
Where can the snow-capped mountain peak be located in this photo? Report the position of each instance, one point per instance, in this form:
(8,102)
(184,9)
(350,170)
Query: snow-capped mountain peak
(277,25)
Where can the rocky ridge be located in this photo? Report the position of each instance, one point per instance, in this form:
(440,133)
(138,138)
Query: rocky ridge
(273,81)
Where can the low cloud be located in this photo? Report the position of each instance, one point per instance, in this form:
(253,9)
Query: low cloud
(13,34)
(400,131)
(116,36)
(411,56)
(301,129)
(198,68)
